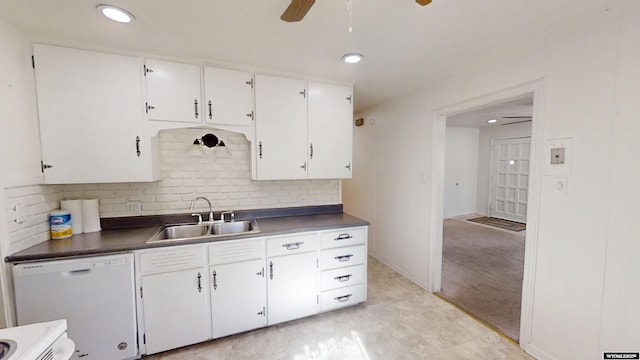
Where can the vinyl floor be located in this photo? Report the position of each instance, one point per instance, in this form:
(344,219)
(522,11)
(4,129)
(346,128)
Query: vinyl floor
(399,320)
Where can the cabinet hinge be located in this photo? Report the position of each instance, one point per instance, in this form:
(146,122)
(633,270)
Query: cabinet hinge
(33,62)
(44,166)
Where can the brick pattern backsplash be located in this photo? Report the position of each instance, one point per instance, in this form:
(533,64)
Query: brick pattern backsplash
(223,177)
(38,200)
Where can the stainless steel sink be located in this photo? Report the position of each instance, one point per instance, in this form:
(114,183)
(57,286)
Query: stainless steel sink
(203,230)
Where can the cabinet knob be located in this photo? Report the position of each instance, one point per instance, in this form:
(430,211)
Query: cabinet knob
(304,166)
(348,166)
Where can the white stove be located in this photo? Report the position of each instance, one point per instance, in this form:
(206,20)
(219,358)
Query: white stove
(40,341)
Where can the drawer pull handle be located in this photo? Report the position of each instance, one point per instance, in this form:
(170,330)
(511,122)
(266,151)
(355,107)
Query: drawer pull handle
(343,278)
(343,298)
(343,258)
(199,283)
(293,246)
(343,237)
(215,280)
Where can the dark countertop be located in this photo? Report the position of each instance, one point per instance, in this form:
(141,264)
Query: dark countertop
(128,239)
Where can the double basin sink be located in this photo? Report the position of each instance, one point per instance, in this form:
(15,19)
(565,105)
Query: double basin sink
(213,230)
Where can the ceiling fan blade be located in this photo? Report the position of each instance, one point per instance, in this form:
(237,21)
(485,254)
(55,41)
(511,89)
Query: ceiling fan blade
(297,10)
(423,2)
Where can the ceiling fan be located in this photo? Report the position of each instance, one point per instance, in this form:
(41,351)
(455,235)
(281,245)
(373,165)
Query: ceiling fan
(299,8)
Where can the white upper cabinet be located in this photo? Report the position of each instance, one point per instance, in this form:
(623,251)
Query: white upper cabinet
(91,118)
(330,131)
(303,131)
(228,97)
(281,128)
(173,91)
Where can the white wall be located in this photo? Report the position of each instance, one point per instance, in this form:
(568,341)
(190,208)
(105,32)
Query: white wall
(487,134)
(461,171)
(583,272)
(392,183)
(19,145)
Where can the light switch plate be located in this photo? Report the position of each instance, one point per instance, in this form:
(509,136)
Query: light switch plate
(557,158)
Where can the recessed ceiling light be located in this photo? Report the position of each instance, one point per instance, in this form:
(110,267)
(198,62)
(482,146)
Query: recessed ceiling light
(352,58)
(491,121)
(115,14)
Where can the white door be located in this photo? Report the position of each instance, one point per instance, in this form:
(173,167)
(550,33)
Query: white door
(281,128)
(176,309)
(510,178)
(173,91)
(228,97)
(330,131)
(238,297)
(292,287)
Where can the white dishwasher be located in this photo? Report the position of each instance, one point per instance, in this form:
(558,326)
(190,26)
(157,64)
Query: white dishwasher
(95,295)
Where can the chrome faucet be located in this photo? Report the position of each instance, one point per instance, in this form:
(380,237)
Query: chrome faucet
(231,213)
(210,209)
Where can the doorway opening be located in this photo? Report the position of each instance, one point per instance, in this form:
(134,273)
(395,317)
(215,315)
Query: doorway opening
(486,165)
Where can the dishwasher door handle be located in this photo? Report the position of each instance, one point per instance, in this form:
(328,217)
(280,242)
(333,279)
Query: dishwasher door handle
(77,272)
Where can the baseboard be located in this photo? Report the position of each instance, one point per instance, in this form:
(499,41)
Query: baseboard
(401,272)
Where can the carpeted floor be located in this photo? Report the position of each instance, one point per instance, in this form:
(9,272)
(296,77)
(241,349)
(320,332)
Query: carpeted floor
(482,273)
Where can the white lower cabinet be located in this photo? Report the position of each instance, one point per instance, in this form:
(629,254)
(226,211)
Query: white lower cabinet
(175,309)
(175,300)
(192,293)
(292,289)
(238,287)
(343,268)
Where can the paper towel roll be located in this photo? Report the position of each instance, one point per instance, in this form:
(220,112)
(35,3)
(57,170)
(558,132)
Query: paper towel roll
(91,215)
(75,208)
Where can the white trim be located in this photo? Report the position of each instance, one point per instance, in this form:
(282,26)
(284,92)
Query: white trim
(537,87)
(5,302)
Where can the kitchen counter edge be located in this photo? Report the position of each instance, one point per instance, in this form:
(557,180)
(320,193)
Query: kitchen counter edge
(130,239)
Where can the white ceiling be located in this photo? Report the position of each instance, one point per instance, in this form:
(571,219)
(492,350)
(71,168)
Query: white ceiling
(476,118)
(405,45)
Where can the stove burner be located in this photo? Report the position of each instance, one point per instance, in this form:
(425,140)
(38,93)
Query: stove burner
(7,348)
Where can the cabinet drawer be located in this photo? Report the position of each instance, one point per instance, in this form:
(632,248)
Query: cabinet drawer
(342,237)
(342,297)
(337,278)
(175,258)
(225,252)
(341,257)
(298,243)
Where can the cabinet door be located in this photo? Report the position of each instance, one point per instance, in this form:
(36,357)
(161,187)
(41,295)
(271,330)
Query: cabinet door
(238,297)
(281,128)
(330,131)
(176,309)
(173,91)
(292,287)
(228,97)
(91,118)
